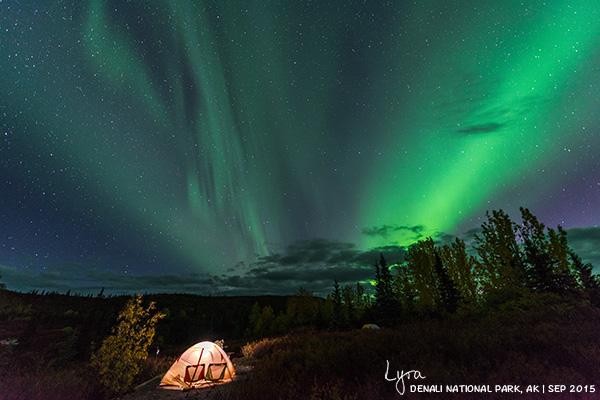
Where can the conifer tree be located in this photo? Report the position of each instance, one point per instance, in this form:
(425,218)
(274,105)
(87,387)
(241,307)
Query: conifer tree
(420,262)
(565,279)
(361,301)
(546,256)
(448,294)
(587,279)
(540,274)
(405,289)
(500,258)
(336,297)
(385,299)
(461,268)
(348,297)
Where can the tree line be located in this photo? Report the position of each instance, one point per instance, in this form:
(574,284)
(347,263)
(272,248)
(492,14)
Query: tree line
(507,260)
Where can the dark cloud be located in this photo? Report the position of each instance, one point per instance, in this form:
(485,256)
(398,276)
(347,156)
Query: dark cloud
(482,128)
(85,280)
(312,264)
(408,233)
(586,243)
(588,235)
(385,231)
(471,233)
(324,252)
(391,253)
(444,238)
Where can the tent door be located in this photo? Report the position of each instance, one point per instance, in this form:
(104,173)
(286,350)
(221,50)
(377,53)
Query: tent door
(216,372)
(194,373)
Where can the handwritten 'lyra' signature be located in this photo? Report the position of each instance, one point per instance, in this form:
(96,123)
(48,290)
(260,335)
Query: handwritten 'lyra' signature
(399,378)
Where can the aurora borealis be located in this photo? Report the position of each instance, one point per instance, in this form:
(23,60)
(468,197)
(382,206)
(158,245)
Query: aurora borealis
(177,138)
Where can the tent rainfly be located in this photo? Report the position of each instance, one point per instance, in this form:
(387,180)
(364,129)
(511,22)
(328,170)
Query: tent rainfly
(204,363)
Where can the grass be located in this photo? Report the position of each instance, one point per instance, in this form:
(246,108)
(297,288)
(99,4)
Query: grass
(544,346)
(39,383)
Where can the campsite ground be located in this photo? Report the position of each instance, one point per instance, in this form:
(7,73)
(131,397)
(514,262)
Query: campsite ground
(150,391)
(155,393)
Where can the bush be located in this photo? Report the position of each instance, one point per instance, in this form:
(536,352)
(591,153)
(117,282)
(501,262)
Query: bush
(122,355)
(259,348)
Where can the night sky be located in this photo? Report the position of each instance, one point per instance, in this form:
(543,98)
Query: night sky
(258,146)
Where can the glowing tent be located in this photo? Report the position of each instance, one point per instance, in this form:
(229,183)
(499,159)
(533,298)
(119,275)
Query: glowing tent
(204,363)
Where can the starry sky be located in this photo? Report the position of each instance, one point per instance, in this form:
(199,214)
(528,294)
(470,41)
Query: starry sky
(259,146)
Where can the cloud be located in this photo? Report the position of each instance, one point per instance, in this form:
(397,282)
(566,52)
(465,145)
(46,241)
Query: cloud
(85,280)
(586,243)
(312,264)
(385,231)
(482,128)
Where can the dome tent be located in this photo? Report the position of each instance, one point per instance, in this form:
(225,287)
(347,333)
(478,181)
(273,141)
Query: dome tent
(371,327)
(202,364)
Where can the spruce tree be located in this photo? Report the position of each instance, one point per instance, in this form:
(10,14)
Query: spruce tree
(461,268)
(587,280)
(546,256)
(385,300)
(501,265)
(448,294)
(420,262)
(348,296)
(361,300)
(539,268)
(336,296)
(405,289)
(565,279)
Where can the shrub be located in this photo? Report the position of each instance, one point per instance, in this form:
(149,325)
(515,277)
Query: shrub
(122,354)
(259,348)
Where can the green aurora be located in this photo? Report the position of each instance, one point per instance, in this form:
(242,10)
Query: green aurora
(216,132)
(497,112)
